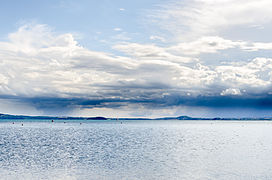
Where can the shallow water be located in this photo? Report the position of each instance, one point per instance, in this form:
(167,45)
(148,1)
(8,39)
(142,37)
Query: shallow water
(136,150)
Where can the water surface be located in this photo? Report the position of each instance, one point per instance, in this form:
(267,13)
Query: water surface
(136,150)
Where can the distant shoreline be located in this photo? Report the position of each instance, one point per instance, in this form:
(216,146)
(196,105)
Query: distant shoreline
(184,118)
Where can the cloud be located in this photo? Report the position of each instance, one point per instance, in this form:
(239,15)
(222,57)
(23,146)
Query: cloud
(257,46)
(193,19)
(254,75)
(151,52)
(215,44)
(117,29)
(208,44)
(157,38)
(231,91)
(52,71)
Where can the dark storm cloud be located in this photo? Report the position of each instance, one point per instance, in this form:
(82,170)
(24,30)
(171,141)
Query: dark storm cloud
(264,101)
(56,104)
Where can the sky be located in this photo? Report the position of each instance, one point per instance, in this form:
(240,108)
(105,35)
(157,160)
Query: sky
(144,58)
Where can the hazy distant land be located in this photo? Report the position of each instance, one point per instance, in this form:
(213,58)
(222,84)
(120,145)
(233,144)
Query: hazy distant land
(8,116)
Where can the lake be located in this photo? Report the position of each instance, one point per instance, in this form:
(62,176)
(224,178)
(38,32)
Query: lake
(131,150)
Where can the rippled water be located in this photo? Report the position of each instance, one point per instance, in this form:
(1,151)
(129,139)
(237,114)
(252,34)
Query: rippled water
(136,150)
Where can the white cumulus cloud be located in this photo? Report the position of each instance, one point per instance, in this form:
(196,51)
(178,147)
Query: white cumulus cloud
(231,91)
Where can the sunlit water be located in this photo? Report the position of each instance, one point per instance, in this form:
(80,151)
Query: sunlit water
(136,150)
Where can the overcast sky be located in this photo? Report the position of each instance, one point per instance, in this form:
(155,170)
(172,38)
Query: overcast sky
(144,58)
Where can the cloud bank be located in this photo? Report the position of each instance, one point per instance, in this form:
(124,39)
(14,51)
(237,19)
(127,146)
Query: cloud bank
(52,71)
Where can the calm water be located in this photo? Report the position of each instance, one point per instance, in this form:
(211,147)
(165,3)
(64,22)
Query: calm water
(136,150)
